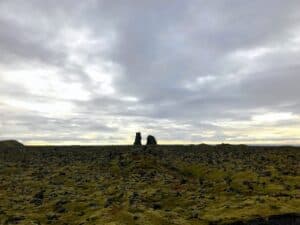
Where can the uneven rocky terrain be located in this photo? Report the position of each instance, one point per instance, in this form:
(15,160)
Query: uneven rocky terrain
(197,184)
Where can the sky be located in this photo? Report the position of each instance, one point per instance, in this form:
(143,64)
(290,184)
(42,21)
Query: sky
(97,71)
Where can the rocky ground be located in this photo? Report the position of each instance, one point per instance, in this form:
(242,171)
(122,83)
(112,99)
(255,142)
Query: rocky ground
(197,184)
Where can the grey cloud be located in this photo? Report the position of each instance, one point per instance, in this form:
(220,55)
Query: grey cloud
(160,47)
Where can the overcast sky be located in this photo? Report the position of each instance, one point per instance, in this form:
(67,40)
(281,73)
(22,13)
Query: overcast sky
(97,71)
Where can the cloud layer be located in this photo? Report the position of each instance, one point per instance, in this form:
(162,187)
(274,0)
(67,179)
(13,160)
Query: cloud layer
(95,71)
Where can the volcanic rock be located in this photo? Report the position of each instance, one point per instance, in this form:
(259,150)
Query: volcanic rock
(138,139)
(151,140)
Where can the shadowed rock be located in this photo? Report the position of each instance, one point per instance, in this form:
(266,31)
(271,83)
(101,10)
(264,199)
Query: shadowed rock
(151,140)
(38,198)
(138,139)
(286,219)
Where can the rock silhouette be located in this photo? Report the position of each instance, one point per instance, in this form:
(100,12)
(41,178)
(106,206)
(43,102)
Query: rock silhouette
(151,140)
(11,145)
(138,139)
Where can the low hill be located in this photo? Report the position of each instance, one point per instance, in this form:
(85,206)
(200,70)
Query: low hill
(11,145)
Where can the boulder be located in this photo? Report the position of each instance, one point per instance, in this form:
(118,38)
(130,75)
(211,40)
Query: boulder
(151,140)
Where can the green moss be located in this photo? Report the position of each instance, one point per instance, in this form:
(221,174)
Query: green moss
(168,185)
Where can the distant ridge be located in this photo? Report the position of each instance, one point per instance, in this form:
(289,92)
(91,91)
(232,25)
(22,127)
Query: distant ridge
(11,145)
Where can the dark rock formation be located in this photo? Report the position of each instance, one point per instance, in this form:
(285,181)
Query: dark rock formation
(138,139)
(38,198)
(151,140)
(286,219)
(11,145)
